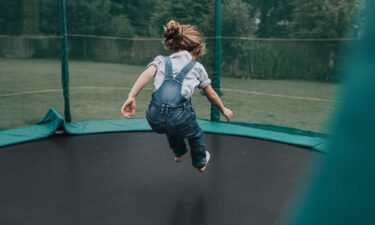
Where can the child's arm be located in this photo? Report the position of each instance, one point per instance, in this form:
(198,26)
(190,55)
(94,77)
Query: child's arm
(215,99)
(128,108)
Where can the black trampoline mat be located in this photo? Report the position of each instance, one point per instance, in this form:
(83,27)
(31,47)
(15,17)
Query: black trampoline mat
(131,178)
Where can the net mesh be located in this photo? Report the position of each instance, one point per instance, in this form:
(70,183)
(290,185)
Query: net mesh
(276,69)
(30,80)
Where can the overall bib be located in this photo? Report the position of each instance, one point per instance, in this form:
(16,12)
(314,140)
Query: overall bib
(171,114)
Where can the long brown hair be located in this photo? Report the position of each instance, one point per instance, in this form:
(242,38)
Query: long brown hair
(179,37)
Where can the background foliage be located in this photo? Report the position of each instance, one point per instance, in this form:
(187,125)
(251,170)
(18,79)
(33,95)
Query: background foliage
(243,21)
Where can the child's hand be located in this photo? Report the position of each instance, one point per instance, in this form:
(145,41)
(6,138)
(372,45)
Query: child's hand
(227,113)
(128,108)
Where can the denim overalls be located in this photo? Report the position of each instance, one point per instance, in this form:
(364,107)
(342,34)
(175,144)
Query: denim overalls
(170,113)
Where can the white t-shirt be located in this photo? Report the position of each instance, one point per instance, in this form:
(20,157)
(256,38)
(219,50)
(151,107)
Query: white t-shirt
(197,77)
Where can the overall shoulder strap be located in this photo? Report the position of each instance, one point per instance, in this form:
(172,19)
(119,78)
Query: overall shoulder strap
(168,69)
(184,72)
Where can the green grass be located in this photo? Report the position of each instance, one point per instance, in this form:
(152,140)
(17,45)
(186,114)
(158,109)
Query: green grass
(29,87)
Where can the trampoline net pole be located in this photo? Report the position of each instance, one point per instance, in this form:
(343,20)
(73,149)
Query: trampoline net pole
(64,61)
(215,114)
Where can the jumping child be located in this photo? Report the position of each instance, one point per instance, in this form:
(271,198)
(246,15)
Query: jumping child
(175,78)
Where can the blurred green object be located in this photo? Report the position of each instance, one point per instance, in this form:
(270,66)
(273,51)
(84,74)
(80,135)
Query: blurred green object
(343,189)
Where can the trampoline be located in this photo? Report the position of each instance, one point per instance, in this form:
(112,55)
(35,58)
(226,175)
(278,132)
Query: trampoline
(131,178)
(297,92)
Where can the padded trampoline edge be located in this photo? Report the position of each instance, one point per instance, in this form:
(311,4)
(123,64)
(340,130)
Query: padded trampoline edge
(303,138)
(53,120)
(45,128)
(106,126)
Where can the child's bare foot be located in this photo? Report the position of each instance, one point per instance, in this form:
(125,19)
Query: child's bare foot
(178,159)
(208,155)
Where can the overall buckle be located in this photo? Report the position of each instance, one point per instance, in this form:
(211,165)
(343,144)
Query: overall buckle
(164,108)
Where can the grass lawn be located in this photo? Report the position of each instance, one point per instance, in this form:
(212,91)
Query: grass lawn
(29,87)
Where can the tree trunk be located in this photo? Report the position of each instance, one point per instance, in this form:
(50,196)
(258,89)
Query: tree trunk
(31,17)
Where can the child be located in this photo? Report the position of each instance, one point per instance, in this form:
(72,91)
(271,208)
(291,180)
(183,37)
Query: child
(175,78)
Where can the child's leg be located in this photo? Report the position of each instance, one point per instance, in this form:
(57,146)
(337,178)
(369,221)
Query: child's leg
(197,149)
(177,144)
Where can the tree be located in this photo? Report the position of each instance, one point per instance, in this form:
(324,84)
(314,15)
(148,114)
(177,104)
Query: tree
(121,27)
(49,17)
(321,18)
(137,12)
(11,15)
(237,19)
(274,16)
(185,12)
(89,16)
(31,16)
(358,19)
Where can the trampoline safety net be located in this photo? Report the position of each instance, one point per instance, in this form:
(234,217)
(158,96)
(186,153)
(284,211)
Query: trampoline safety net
(275,66)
